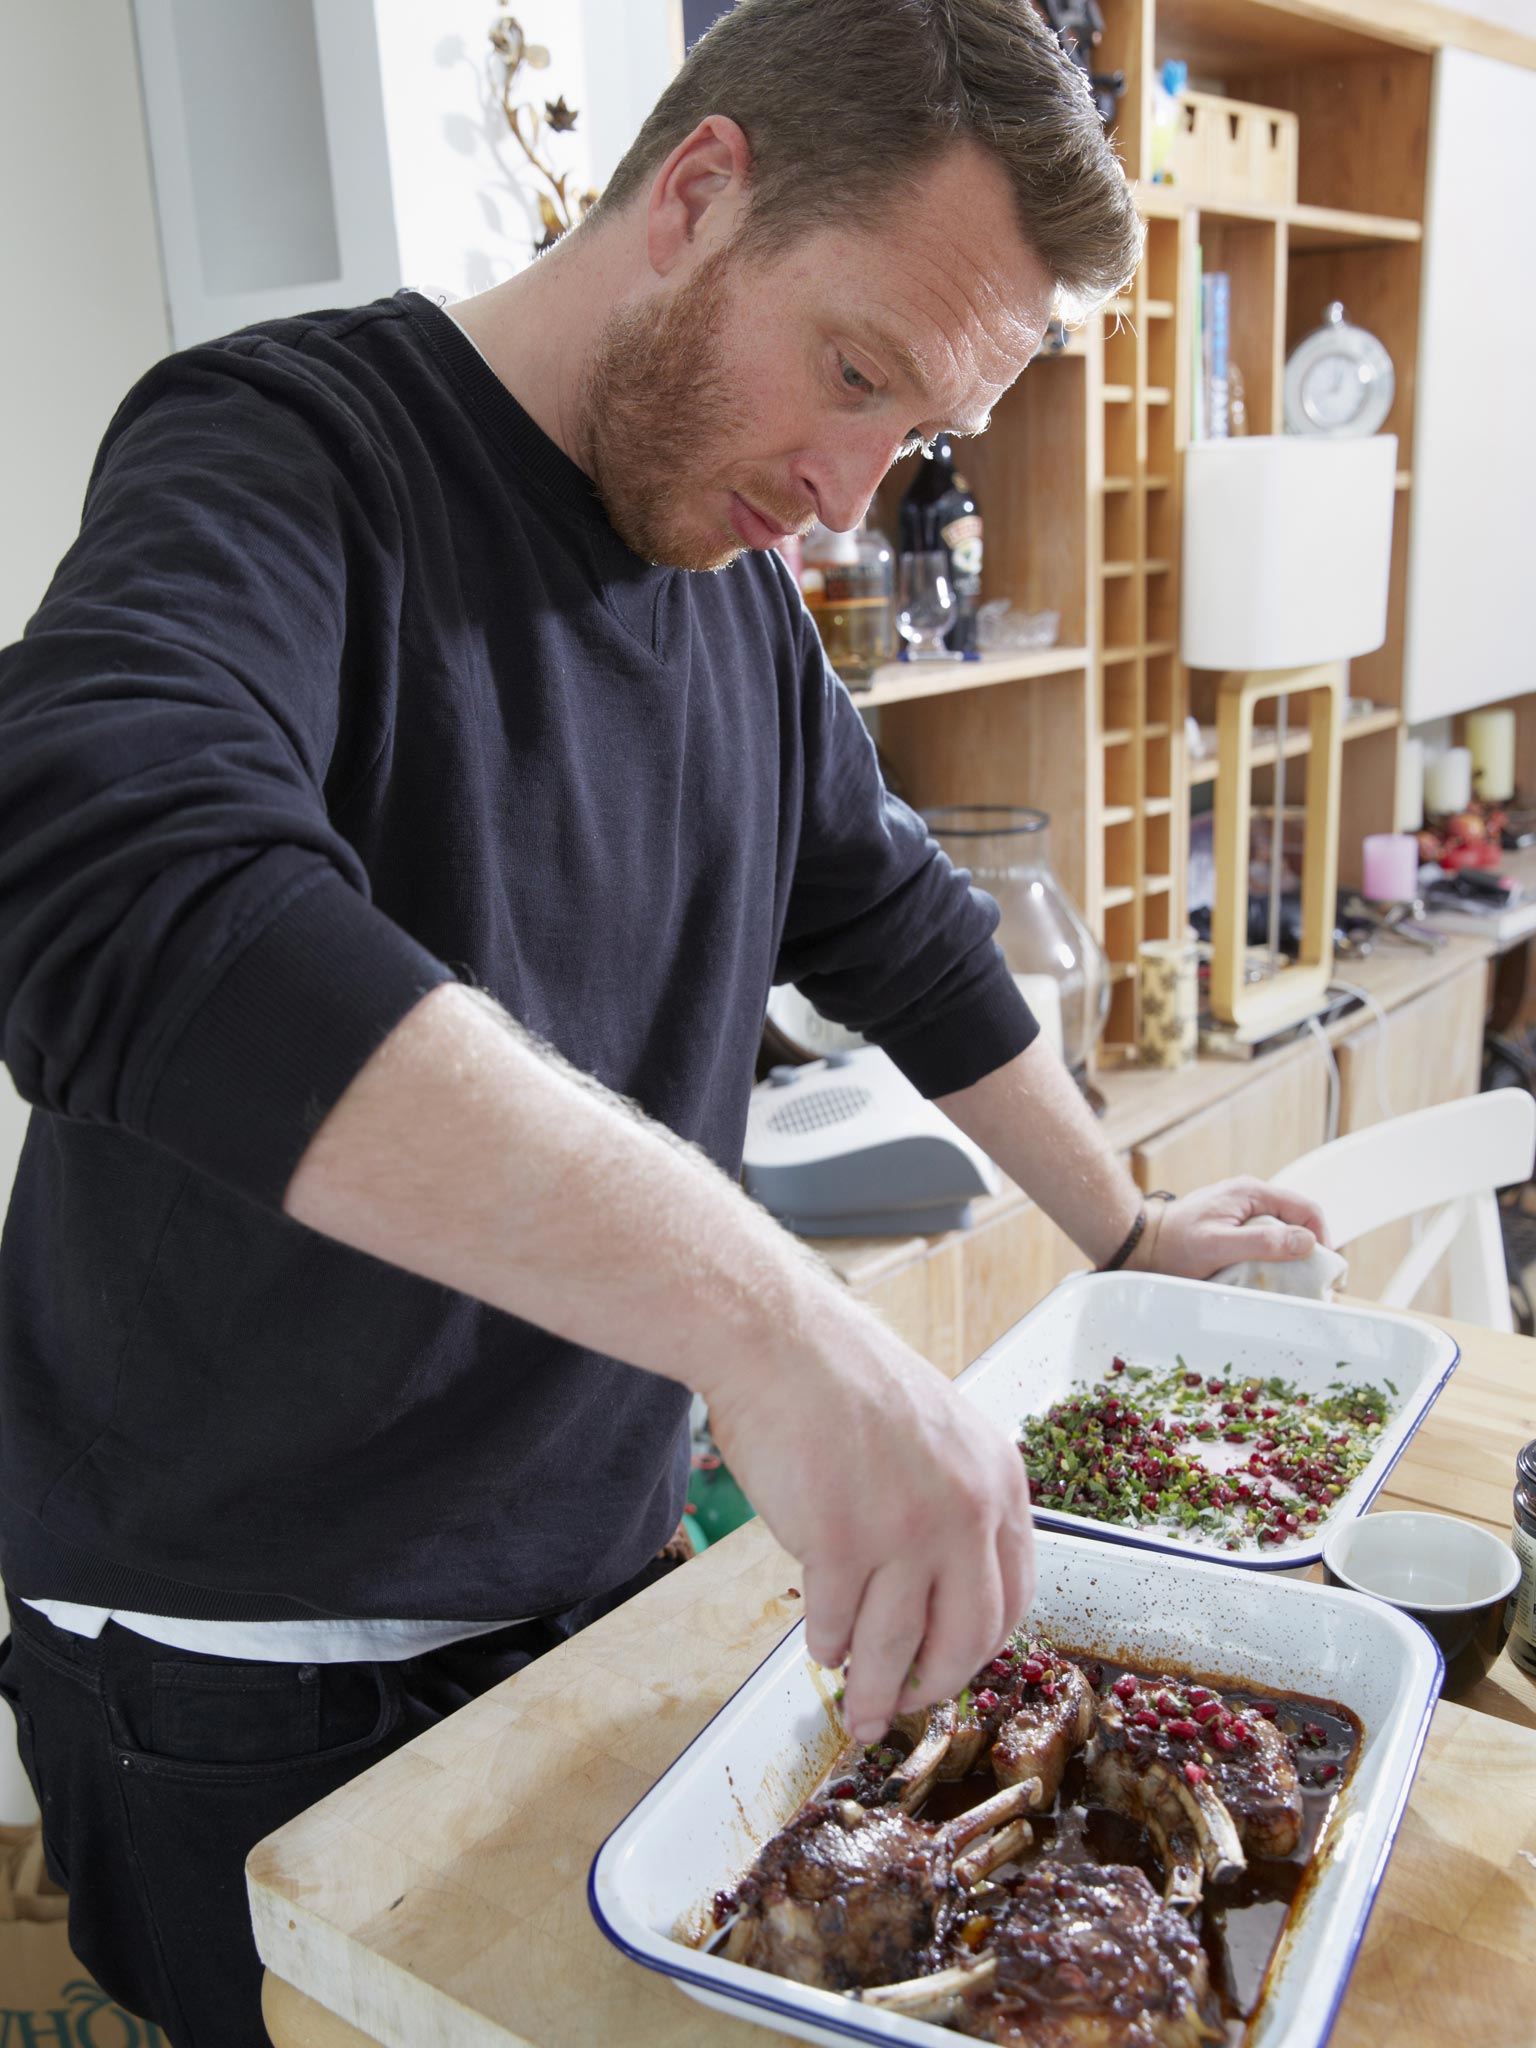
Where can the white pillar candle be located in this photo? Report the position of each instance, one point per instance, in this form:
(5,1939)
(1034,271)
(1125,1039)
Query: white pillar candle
(1448,781)
(1410,786)
(1491,741)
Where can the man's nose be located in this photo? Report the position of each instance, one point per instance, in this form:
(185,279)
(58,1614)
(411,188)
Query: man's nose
(845,480)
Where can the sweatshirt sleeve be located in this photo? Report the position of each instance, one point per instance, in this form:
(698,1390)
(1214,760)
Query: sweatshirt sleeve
(883,933)
(187,945)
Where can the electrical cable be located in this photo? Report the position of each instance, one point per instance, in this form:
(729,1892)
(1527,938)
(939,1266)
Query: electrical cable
(1353,988)
(1335,1086)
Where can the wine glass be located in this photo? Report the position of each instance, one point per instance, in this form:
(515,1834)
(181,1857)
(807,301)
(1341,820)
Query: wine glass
(926,604)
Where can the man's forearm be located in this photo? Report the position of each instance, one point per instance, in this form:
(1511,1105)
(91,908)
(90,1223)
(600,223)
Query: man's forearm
(1031,1119)
(468,1154)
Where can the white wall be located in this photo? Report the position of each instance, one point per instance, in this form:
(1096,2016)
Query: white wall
(78,253)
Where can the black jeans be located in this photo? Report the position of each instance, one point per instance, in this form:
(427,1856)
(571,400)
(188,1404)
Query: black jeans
(158,1770)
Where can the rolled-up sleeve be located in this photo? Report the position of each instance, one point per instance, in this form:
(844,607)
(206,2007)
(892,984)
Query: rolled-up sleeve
(187,944)
(883,934)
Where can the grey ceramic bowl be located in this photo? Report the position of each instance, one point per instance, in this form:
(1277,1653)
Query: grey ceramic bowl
(1451,1576)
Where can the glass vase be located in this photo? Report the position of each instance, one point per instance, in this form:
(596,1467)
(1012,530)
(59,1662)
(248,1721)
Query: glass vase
(1044,939)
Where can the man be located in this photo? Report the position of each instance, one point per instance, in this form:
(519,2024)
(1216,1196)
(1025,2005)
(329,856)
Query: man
(401,835)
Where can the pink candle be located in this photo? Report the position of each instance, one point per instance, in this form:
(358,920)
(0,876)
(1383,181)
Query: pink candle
(1391,867)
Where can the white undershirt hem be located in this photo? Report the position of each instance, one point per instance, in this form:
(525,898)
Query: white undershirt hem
(275,1642)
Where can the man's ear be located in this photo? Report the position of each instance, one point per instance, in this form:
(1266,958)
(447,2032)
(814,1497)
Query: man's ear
(699,196)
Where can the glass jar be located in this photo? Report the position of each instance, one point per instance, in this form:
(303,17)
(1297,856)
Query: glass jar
(1522,1605)
(848,581)
(1056,961)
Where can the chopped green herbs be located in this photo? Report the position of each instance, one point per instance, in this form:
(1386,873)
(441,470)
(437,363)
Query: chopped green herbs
(1135,1461)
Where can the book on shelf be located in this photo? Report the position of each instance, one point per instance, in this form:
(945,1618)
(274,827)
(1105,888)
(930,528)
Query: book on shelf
(1213,413)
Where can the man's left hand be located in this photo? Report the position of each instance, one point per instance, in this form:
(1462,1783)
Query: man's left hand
(1217,1226)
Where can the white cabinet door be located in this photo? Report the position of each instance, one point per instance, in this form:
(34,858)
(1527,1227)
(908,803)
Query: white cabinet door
(1471,622)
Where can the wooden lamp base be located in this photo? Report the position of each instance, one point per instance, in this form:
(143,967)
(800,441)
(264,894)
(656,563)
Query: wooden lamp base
(1256,1010)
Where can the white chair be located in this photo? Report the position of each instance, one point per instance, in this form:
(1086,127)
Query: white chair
(1448,1160)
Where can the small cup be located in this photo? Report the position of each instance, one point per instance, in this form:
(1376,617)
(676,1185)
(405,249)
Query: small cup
(1452,1577)
(1170,1001)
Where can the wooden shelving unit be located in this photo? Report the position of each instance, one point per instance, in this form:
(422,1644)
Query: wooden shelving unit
(1080,477)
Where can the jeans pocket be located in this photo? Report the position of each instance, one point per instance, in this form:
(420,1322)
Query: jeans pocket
(235,1721)
(234,1713)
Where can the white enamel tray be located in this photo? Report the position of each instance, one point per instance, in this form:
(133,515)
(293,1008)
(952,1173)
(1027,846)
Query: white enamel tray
(1073,1334)
(698,1829)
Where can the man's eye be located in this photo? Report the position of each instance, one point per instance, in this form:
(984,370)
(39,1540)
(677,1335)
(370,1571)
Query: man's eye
(855,379)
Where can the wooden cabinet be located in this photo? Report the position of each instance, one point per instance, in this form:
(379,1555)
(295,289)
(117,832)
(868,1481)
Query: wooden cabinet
(1276,1116)
(952,1296)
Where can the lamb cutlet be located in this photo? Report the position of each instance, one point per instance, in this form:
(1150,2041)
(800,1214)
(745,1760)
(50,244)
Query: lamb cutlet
(1083,1956)
(1132,1769)
(1053,1715)
(848,1896)
(1030,1710)
(1209,1781)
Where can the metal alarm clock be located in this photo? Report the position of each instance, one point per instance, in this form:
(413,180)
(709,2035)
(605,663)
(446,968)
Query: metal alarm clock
(1338,380)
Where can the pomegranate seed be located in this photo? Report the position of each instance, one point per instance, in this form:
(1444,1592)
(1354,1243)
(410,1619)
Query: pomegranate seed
(1144,1718)
(1314,1734)
(845,1788)
(1234,1436)
(1186,1731)
(1207,1711)
(1230,1408)
(1301,1400)
(998,1669)
(1267,1708)
(1191,1379)
(1117,1365)
(1328,1771)
(1199,1694)
(1195,1773)
(1048,1690)
(1268,1412)
(1310,1515)
(1032,1671)
(1149,1502)
(1166,1704)
(1215,1386)
(985,1700)
(1224,1739)
(1007,1654)
(1124,1688)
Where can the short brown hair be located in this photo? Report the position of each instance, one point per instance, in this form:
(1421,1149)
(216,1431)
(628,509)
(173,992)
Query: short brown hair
(847,102)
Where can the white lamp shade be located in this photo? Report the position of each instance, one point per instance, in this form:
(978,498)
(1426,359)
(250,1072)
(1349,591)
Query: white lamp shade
(1287,548)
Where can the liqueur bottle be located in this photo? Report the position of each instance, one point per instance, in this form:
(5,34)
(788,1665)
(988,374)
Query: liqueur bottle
(940,511)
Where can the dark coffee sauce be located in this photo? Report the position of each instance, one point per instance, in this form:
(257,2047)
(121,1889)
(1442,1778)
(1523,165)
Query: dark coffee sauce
(1240,1924)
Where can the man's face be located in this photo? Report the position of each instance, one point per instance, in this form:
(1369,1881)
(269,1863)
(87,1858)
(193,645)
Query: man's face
(759,394)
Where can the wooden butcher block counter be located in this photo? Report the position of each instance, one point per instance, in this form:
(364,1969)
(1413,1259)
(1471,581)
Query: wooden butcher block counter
(441,1898)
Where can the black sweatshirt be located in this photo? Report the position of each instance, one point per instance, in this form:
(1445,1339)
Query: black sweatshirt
(348,688)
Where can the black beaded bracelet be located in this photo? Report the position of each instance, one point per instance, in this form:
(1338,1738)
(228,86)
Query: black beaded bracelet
(1134,1234)
(1132,1239)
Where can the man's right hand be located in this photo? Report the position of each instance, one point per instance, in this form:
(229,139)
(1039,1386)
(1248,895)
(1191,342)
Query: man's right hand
(908,1509)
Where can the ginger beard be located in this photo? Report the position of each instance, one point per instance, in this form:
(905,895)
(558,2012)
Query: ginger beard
(660,421)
